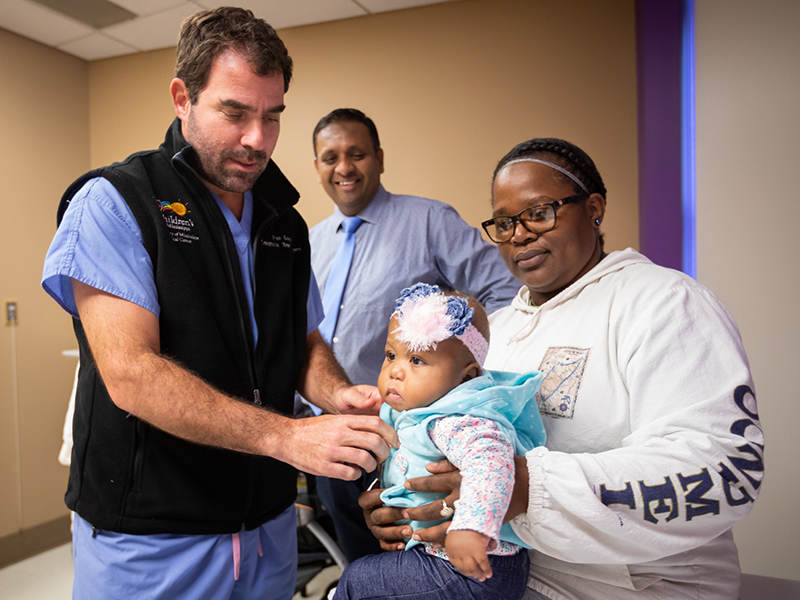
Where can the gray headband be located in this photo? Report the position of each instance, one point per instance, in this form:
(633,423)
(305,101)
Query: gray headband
(551,165)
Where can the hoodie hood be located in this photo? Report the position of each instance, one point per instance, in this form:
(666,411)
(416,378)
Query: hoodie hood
(612,263)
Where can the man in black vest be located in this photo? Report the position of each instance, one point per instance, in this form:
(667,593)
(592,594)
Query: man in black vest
(187,271)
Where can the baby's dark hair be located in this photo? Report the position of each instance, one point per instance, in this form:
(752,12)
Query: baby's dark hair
(562,153)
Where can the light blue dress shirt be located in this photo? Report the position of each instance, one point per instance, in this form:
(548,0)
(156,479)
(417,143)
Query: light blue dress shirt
(402,241)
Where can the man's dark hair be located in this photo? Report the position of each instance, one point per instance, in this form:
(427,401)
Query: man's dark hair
(207,34)
(347,115)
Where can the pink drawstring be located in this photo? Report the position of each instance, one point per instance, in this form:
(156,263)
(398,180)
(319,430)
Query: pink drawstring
(237,553)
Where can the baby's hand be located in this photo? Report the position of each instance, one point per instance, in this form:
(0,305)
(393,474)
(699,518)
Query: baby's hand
(467,551)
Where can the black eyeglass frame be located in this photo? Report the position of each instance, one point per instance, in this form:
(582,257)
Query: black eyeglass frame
(516,219)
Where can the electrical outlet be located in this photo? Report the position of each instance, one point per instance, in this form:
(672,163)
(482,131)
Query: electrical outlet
(11,313)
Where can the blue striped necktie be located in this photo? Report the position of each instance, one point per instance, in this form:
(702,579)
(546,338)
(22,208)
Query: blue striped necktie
(337,279)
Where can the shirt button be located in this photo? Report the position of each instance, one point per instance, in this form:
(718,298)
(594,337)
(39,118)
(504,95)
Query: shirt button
(335,340)
(341,306)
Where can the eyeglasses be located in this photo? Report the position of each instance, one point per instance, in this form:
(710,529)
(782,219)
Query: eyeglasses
(536,219)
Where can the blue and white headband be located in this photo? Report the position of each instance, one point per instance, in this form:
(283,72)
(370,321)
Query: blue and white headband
(426,316)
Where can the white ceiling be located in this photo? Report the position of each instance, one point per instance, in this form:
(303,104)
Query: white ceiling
(157,22)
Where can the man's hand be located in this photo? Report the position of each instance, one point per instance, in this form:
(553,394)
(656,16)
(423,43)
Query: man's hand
(467,552)
(358,400)
(335,446)
(381,521)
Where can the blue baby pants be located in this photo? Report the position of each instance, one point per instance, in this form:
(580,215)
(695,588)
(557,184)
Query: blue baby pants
(415,574)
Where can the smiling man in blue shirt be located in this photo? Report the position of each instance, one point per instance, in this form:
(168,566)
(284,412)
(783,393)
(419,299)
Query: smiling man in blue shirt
(402,240)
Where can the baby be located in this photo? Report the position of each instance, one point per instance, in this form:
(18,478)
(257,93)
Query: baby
(444,405)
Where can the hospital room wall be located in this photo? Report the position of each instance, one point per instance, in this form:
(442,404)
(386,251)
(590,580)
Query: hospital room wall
(452,87)
(748,247)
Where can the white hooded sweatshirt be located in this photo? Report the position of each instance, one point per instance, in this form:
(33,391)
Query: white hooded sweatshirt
(654,445)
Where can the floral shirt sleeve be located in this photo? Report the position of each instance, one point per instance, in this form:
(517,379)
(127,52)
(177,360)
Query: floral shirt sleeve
(485,456)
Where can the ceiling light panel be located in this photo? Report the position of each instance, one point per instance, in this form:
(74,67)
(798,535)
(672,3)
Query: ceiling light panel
(95,13)
(145,8)
(152,32)
(96,46)
(41,24)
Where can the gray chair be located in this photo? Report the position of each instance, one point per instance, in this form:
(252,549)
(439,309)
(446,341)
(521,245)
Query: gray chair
(758,587)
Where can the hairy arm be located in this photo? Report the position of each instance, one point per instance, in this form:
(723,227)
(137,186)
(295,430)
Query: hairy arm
(324,383)
(124,339)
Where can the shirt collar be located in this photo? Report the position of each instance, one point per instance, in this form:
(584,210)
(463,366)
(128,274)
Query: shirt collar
(239,229)
(371,213)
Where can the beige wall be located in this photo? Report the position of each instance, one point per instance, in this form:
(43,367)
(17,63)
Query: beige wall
(44,144)
(748,127)
(451,87)
(130,104)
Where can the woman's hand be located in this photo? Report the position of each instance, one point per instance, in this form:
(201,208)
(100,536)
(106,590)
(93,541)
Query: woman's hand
(519,498)
(444,479)
(381,521)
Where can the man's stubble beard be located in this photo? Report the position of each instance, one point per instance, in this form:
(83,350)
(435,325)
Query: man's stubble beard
(212,165)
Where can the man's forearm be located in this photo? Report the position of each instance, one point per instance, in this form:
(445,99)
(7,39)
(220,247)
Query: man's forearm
(125,344)
(169,397)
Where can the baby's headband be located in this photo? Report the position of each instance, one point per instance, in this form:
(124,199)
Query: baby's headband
(549,164)
(426,316)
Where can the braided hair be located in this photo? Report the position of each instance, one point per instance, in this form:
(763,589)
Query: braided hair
(562,153)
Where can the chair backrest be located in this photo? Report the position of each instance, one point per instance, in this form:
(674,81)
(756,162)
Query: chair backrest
(759,587)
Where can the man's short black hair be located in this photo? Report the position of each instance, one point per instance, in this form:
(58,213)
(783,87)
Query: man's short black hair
(350,115)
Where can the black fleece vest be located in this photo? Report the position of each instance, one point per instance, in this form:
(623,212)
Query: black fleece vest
(130,477)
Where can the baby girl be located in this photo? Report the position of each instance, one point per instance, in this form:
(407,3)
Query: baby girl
(444,405)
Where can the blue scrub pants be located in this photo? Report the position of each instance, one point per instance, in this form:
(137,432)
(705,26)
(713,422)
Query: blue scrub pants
(168,566)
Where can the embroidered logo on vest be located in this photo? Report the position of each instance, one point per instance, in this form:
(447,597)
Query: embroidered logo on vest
(181,228)
(177,207)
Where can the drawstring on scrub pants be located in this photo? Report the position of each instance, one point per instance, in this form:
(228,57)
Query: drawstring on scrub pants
(237,553)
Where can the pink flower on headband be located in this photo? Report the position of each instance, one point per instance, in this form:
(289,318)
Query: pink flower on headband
(423,322)
(425,317)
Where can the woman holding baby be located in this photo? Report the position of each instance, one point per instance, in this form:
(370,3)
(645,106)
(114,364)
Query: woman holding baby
(654,448)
